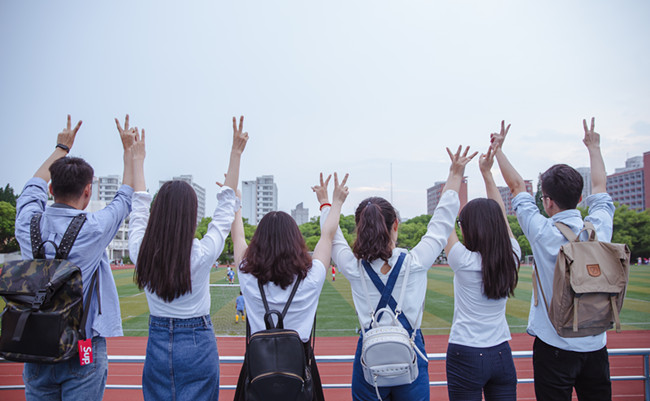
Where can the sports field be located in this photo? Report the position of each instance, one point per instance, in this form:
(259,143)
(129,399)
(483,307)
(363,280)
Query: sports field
(336,315)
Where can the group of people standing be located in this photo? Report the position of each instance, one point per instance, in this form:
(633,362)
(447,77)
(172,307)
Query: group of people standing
(173,267)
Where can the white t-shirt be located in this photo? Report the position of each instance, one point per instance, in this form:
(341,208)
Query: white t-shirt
(478,321)
(204,254)
(301,312)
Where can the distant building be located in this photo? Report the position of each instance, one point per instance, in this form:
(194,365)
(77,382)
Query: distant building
(585,172)
(258,198)
(105,188)
(506,195)
(435,192)
(200,194)
(631,185)
(300,214)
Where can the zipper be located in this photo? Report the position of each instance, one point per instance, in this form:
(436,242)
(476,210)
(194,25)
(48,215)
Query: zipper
(263,375)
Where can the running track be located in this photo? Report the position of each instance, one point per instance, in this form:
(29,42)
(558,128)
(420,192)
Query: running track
(121,373)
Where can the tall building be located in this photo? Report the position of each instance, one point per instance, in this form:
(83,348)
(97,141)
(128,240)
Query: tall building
(585,172)
(506,195)
(258,198)
(630,185)
(300,214)
(105,188)
(200,194)
(435,192)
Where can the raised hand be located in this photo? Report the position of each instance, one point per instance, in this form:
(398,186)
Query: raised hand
(127,134)
(66,137)
(239,138)
(496,140)
(486,160)
(340,190)
(138,147)
(321,190)
(592,138)
(459,161)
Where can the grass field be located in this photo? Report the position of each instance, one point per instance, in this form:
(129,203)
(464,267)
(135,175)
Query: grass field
(336,315)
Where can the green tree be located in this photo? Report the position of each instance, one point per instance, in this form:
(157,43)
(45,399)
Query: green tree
(411,231)
(7,227)
(7,195)
(632,228)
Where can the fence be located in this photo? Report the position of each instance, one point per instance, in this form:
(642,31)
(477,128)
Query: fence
(644,352)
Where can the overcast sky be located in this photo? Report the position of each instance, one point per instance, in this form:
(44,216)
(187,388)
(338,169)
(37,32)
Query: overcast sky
(347,86)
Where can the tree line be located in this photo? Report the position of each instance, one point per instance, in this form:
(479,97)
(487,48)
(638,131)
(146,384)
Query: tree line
(630,227)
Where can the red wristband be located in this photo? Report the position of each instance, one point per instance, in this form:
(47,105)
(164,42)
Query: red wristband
(325,204)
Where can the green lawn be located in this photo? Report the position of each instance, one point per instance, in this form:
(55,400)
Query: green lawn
(336,316)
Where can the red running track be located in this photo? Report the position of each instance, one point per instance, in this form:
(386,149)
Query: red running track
(123,373)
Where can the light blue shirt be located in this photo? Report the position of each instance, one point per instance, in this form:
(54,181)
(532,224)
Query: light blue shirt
(545,240)
(88,251)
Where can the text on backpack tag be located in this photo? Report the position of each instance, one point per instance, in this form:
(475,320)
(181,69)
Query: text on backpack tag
(593,270)
(85,351)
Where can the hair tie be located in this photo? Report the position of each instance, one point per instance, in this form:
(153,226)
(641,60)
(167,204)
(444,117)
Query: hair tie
(369,203)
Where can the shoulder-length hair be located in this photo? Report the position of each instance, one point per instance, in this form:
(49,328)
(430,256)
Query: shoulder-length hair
(277,252)
(163,265)
(374,217)
(484,231)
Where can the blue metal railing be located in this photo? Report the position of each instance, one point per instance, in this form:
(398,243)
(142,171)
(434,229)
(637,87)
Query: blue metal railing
(644,352)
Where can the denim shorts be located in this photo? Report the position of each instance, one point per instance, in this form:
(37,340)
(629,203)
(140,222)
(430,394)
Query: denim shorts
(68,379)
(417,391)
(472,371)
(182,362)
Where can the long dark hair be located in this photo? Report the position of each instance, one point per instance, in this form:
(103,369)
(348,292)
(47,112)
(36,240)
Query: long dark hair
(277,251)
(485,231)
(374,218)
(163,265)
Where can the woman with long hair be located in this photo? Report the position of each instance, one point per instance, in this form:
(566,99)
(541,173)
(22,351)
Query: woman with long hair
(173,268)
(275,258)
(375,247)
(485,265)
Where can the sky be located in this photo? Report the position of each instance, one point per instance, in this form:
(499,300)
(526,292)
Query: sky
(376,89)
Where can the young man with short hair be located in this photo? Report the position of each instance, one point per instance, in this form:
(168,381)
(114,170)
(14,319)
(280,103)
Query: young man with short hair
(561,364)
(71,187)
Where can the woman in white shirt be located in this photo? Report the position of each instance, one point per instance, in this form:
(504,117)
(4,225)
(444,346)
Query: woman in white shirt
(173,268)
(376,225)
(485,265)
(276,256)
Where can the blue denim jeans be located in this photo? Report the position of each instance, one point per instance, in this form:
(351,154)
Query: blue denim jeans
(472,371)
(416,391)
(68,380)
(182,362)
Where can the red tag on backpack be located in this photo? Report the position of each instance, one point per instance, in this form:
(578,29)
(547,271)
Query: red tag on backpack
(85,351)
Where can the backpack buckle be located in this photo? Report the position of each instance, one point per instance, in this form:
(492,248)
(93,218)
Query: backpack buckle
(39,298)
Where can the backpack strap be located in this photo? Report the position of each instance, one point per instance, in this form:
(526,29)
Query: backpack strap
(536,282)
(64,247)
(268,313)
(94,283)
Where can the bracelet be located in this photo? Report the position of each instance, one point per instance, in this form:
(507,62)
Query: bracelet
(325,204)
(64,147)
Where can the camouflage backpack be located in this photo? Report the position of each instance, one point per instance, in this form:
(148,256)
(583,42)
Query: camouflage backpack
(44,316)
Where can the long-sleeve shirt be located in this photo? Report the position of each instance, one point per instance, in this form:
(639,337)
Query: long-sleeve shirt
(545,240)
(88,251)
(203,255)
(420,259)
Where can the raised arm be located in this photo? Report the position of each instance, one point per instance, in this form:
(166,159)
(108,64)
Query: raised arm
(238,237)
(64,143)
(127,136)
(598,173)
(456,172)
(323,249)
(485,163)
(239,139)
(138,154)
(512,177)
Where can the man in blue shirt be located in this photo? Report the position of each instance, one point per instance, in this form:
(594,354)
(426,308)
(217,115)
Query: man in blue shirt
(71,187)
(561,364)
(240,308)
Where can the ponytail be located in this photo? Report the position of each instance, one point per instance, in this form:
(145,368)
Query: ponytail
(374,218)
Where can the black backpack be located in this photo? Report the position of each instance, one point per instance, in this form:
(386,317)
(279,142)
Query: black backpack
(44,316)
(277,365)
